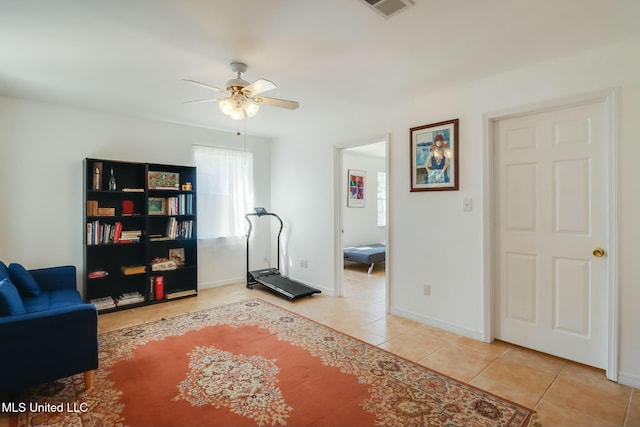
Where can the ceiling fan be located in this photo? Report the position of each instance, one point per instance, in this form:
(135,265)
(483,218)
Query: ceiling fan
(241,99)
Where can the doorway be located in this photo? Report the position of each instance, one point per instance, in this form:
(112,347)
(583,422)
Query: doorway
(362,219)
(553,240)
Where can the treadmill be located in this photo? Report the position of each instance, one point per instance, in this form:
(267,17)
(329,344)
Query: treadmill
(271,277)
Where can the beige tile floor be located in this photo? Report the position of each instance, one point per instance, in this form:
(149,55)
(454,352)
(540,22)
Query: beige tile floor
(563,393)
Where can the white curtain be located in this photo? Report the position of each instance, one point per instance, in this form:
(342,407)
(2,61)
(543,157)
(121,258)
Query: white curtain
(224,191)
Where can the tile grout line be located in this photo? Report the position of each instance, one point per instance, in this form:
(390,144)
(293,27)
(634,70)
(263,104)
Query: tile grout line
(555,378)
(626,412)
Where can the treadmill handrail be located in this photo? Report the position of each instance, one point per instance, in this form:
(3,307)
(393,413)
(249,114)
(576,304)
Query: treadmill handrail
(251,228)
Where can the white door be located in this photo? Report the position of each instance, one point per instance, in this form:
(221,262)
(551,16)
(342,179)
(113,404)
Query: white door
(551,186)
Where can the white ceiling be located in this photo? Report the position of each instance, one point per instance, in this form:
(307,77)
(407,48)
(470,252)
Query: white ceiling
(337,58)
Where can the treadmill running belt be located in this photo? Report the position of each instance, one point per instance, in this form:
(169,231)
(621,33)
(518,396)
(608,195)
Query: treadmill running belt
(287,286)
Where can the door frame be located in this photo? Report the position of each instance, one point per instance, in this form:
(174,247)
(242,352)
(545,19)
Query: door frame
(340,193)
(610,99)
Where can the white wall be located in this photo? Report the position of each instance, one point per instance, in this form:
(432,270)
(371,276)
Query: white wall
(456,274)
(361,224)
(42,147)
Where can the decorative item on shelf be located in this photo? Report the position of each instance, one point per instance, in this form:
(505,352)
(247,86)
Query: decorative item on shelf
(156,206)
(97,176)
(187,186)
(177,256)
(163,264)
(96,274)
(158,287)
(127,207)
(112,181)
(163,180)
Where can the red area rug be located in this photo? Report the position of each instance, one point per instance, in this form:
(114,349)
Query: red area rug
(256,364)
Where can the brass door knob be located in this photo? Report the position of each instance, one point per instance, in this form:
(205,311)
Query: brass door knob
(598,252)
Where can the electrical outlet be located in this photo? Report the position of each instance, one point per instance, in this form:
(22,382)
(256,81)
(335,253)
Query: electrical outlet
(304,263)
(426,290)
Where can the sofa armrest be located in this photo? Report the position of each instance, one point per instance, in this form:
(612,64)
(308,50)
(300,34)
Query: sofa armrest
(53,278)
(47,345)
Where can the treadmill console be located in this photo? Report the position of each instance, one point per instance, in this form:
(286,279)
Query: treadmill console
(260,211)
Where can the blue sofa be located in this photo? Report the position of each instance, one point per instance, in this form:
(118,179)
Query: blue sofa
(46,331)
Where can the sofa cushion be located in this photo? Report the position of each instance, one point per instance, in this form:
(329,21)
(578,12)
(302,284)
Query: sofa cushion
(51,300)
(10,302)
(22,279)
(4,271)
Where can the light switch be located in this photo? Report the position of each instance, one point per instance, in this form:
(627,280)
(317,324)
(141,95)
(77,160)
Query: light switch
(467,206)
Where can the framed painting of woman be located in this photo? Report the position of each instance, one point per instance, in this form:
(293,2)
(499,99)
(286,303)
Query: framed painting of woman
(434,156)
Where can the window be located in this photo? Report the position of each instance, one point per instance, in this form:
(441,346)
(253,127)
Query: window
(382,199)
(225,191)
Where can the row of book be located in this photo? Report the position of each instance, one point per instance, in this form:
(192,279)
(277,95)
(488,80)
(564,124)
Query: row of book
(179,229)
(180,205)
(99,233)
(105,303)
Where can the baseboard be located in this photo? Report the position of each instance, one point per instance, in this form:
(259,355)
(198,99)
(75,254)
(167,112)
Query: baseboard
(631,380)
(426,320)
(218,283)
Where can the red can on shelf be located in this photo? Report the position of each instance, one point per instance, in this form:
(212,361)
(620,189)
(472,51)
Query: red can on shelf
(159,287)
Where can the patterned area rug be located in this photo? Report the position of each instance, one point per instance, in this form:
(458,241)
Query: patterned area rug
(253,363)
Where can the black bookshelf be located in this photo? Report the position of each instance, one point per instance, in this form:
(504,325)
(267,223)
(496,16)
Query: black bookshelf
(141,237)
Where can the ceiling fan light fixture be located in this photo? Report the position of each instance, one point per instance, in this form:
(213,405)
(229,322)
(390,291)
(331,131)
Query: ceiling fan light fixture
(241,96)
(225,106)
(250,108)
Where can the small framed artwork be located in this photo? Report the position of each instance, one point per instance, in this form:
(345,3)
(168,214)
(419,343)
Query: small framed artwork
(435,150)
(163,180)
(156,206)
(355,198)
(177,255)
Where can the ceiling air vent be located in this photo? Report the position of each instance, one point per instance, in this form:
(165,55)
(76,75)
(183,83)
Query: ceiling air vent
(387,8)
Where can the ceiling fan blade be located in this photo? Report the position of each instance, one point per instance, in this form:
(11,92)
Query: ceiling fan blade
(206,86)
(201,101)
(275,102)
(259,86)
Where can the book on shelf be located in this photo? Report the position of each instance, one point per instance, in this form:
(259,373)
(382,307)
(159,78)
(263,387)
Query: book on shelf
(92,207)
(179,229)
(179,294)
(181,204)
(133,269)
(130,298)
(99,233)
(133,190)
(106,211)
(129,236)
(103,303)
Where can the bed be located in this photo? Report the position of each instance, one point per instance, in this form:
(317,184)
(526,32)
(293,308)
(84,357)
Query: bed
(367,254)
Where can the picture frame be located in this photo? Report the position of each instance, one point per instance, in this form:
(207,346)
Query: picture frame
(158,180)
(356,188)
(435,151)
(156,206)
(177,255)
